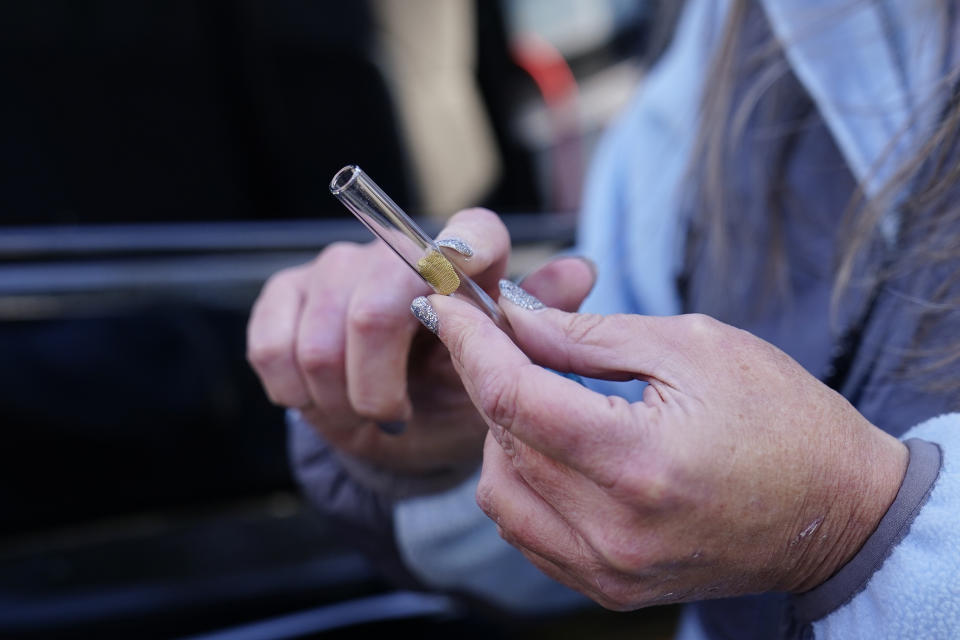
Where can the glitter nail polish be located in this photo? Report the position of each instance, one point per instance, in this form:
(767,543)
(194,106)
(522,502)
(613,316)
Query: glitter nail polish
(458,245)
(518,296)
(424,312)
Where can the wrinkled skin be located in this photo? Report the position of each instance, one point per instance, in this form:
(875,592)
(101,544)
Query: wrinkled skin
(335,339)
(738,472)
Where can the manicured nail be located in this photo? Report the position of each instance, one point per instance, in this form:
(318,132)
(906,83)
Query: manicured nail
(518,296)
(458,245)
(422,311)
(392,428)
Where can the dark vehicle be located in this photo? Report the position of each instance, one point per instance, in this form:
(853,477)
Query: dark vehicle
(158,161)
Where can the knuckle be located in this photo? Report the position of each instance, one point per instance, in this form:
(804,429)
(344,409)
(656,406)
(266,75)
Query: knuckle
(499,400)
(335,260)
(580,326)
(606,587)
(654,487)
(623,554)
(615,598)
(337,253)
(372,317)
(267,356)
(282,392)
(699,324)
(659,485)
(316,357)
(611,604)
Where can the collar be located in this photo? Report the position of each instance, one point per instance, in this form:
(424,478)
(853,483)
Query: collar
(872,68)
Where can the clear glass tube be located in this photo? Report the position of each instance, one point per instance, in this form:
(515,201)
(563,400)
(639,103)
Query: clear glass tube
(386,220)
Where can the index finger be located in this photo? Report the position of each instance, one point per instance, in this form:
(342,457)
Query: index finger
(562,419)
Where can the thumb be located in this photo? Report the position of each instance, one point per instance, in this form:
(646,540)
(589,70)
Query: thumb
(615,347)
(562,283)
(479,243)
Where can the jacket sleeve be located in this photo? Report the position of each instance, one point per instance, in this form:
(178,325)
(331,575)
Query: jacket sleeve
(421,533)
(903,583)
(359,512)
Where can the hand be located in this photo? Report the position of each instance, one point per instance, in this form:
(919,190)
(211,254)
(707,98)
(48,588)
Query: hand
(738,472)
(335,339)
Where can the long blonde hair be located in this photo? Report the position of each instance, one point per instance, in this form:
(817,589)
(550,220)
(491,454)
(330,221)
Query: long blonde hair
(752,77)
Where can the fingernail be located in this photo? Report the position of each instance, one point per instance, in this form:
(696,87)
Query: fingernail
(422,311)
(392,428)
(518,296)
(457,244)
(590,263)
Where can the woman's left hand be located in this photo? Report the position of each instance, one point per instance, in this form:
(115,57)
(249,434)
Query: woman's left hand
(738,472)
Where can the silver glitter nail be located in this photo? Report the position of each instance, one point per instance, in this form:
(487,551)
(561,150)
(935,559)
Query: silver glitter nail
(518,296)
(422,311)
(457,245)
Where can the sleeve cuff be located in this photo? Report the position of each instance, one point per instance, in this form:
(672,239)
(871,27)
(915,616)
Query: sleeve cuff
(923,469)
(383,482)
(360,515)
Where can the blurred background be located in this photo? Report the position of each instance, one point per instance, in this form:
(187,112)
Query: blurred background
(158,160)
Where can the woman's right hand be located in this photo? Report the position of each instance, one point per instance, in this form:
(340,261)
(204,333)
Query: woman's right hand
(335,339)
